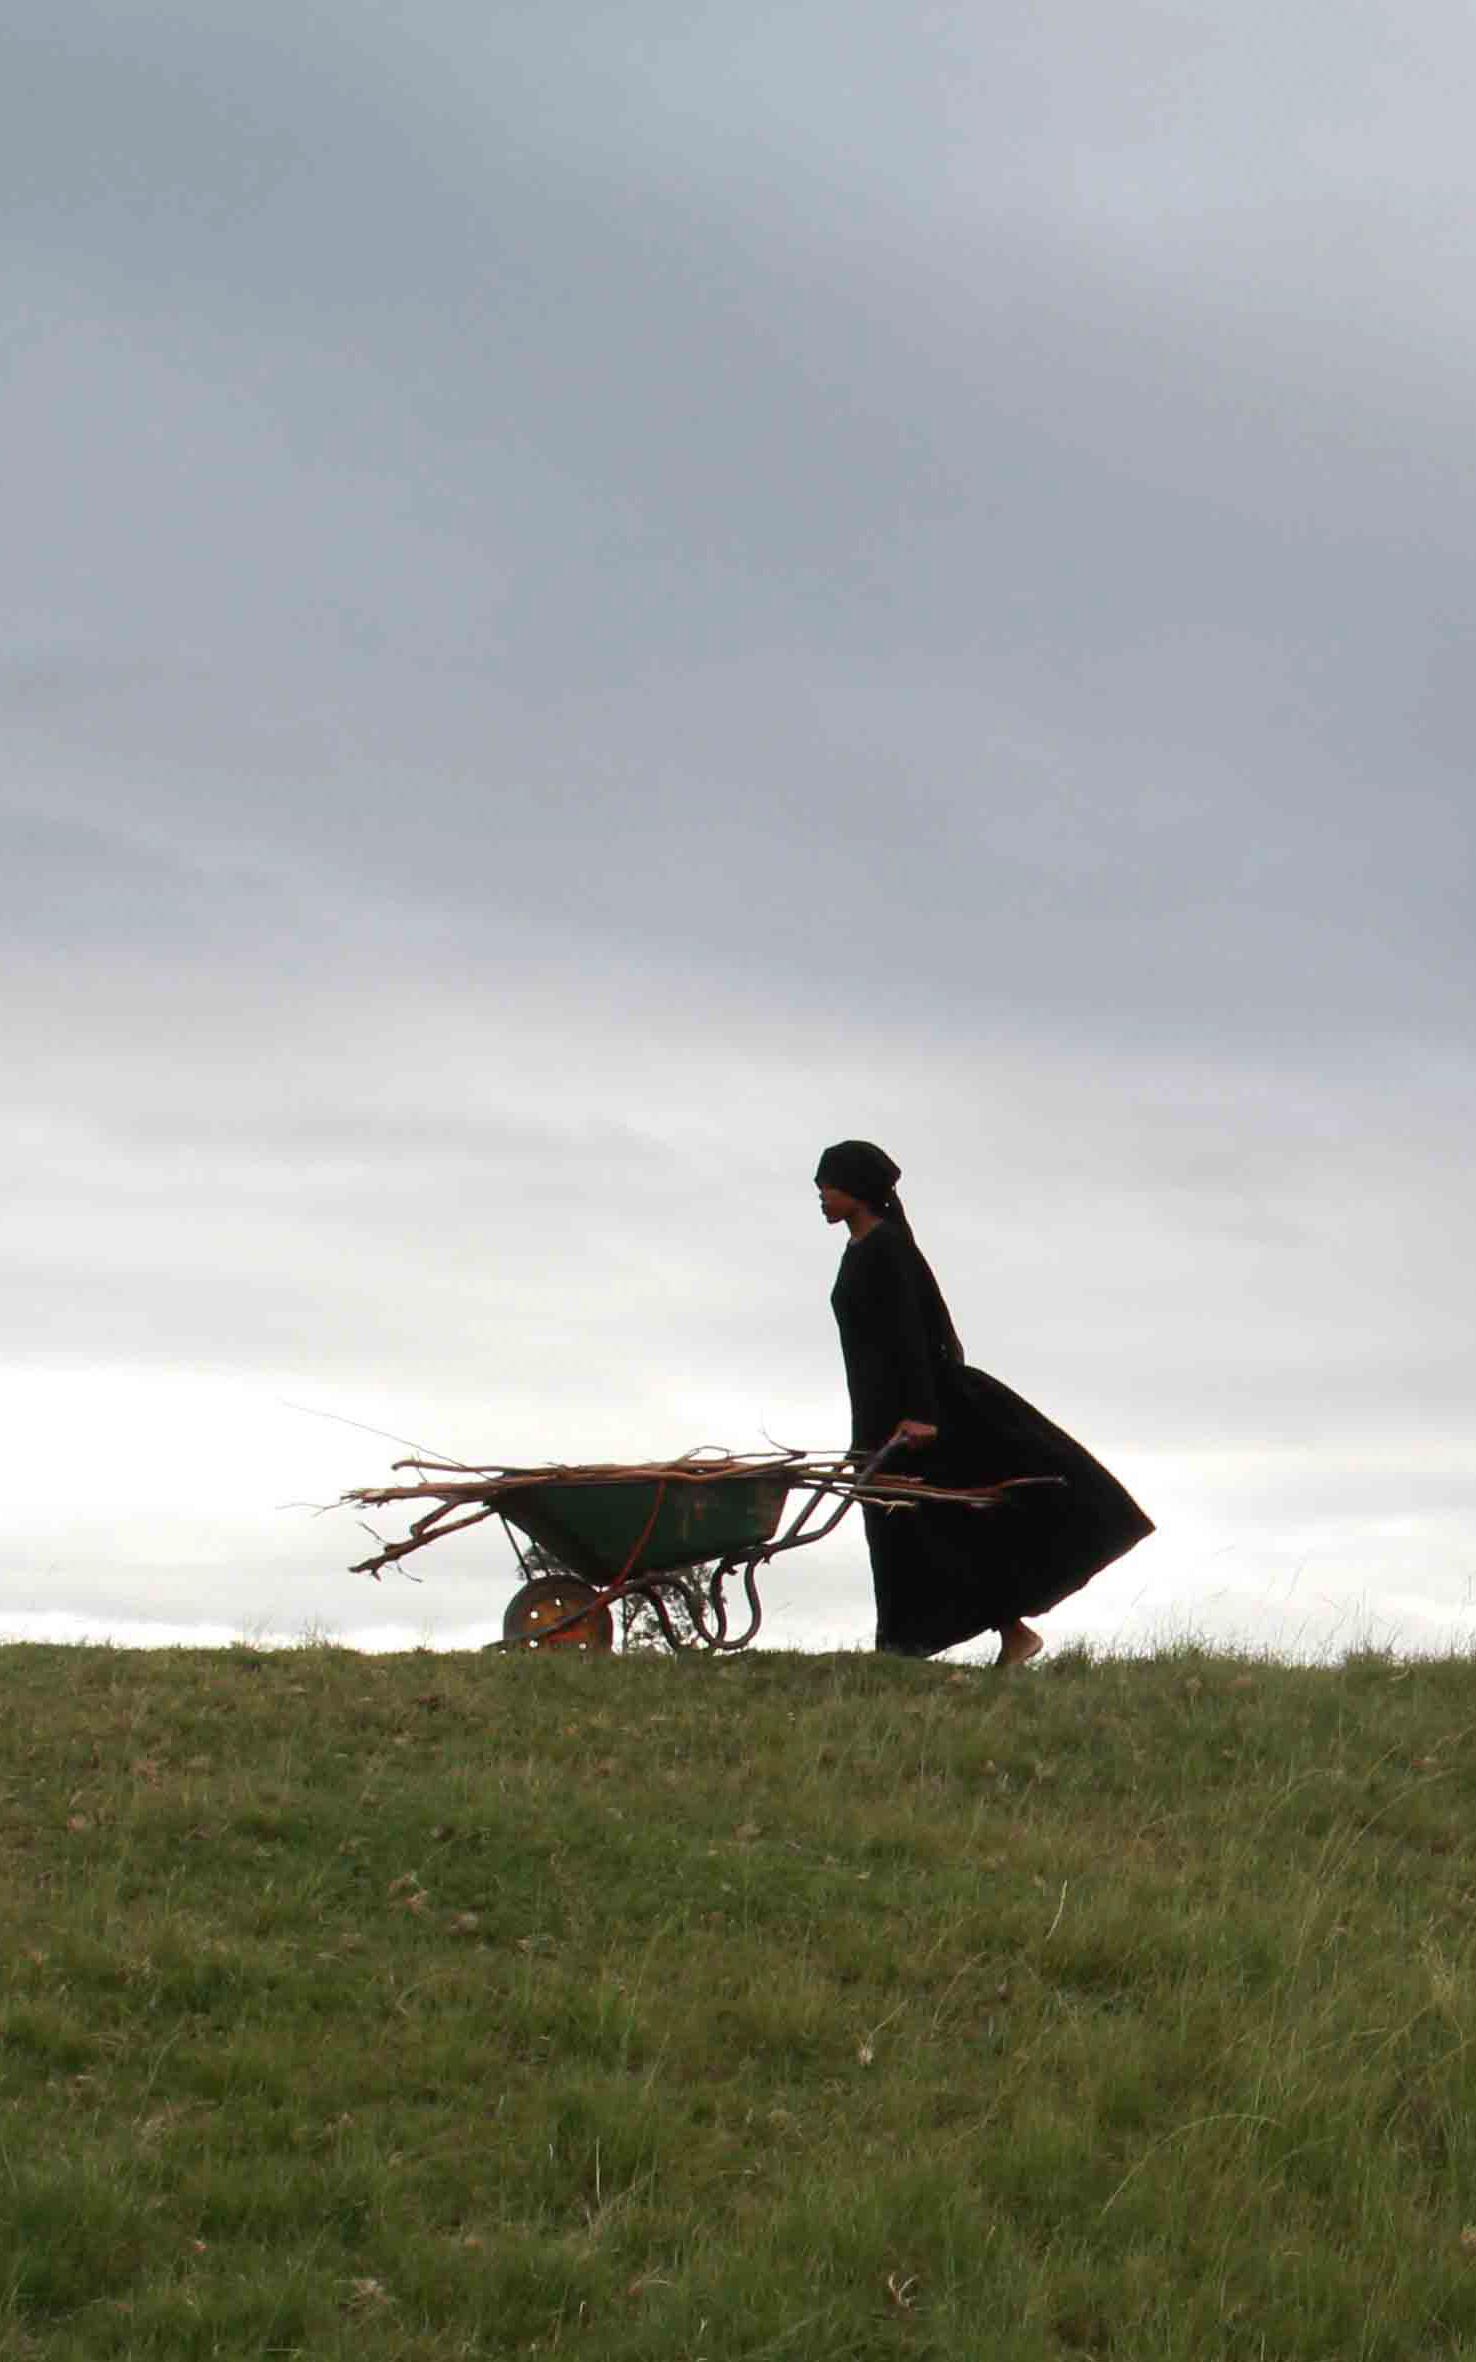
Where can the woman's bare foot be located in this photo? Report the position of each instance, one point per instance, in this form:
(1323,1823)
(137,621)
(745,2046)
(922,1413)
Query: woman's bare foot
(1018,1644)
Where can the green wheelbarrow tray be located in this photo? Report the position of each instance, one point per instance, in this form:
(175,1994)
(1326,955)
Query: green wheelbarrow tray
(601,1529)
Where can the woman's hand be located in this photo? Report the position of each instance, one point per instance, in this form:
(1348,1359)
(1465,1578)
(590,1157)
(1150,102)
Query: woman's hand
(914,1432)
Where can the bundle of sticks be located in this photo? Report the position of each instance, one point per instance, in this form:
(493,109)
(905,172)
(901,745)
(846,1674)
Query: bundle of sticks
(461,1494)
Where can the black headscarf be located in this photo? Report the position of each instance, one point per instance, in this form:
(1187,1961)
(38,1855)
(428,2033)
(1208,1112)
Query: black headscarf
(862,1170)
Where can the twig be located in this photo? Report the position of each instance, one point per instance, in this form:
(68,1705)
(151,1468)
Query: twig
(311,1411)
(393,1552)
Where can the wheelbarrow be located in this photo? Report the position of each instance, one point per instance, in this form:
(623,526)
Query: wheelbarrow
(667,1535)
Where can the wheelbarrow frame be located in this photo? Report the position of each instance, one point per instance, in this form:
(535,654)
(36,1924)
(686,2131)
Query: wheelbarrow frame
(703,1595)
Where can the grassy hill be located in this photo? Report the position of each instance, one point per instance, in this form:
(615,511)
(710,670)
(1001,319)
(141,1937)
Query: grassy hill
(820,2008)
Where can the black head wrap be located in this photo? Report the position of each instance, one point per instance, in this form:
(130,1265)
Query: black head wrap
(862,1170)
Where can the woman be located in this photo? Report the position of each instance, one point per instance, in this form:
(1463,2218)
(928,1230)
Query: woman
(943,1574)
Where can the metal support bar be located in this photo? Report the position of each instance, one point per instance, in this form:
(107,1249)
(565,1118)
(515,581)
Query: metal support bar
(796,1532)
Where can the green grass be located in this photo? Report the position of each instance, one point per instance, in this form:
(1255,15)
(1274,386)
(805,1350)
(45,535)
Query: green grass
(815,2008)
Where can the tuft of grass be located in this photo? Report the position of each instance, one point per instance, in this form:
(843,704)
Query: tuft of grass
(787,2007)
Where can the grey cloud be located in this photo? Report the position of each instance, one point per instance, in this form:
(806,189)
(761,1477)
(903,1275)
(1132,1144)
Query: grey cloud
(355,1139)
(70,882)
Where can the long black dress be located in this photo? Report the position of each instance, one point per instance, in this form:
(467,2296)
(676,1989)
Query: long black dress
(942,1574)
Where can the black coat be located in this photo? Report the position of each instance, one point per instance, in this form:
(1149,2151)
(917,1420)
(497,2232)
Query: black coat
(943,1574)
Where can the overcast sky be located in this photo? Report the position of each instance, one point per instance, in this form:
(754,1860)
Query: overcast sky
(597,596)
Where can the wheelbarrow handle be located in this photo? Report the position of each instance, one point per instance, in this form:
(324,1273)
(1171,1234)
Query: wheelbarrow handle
(797,1532)
(893,1443)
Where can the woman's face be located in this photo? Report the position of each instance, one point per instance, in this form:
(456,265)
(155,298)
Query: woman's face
(837,1205)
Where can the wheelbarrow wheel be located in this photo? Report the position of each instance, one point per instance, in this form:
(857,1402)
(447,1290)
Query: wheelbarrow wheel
(542,1605)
